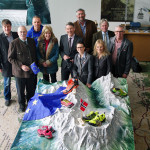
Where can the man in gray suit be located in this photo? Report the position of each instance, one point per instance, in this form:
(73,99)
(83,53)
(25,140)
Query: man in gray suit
(68,50)
(6,37)
(103,34)
(121,50)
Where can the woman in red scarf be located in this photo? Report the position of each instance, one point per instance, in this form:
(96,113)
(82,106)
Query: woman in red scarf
(47,53)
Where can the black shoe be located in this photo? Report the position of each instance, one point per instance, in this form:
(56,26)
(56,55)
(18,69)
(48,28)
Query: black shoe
(7,102)
(22,108)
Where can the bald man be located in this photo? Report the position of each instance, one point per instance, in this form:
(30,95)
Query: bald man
(21,54)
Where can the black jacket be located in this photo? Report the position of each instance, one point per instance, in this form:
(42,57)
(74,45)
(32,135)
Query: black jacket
(64,48)
(4,64)
(102,66)
(124,57)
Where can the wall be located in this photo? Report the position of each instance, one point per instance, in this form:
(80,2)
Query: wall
(63,11)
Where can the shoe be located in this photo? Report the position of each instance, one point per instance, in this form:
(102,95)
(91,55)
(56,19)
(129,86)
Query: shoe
(97,120)
(118,92)
(72,84)
(47,128)
(66,103)
(21,108)
(90,116)
(7,102)
(46,133)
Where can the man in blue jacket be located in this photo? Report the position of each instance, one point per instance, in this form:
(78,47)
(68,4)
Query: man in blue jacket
(36,29)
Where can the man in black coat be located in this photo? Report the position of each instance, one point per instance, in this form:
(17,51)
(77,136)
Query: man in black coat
(68,50)
(6,37)
(121,50)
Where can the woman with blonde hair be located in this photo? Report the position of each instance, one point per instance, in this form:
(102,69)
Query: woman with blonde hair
(47,53)
(102,61)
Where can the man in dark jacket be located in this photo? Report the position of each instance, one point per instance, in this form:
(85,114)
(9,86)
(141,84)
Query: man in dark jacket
(103,34)
(21,54)
(6,37)
(68,50)
(121,50)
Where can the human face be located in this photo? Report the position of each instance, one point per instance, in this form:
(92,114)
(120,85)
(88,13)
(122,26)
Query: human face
(80,48)
(70,30)
(81,16)
(99,48)
(36,22)
(22,32)
(104,26)
(7,29)
(119,33)
(47,35)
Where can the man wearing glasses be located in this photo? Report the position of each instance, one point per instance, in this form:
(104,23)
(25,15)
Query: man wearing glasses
(121,50)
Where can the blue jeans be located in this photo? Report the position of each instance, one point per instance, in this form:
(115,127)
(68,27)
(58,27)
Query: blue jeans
(7,88)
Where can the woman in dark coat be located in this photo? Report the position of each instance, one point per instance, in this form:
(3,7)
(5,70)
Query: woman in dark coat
(102,61)
(47,53)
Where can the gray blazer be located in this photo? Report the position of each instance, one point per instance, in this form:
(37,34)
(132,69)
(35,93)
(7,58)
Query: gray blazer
(64,48)
(83,72)
(4,64)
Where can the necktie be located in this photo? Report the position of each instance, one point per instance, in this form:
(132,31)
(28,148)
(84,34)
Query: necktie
(70,43)
(105,39)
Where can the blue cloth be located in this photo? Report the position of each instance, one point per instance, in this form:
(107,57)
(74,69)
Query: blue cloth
(7,89)
(43,105)
(33,34)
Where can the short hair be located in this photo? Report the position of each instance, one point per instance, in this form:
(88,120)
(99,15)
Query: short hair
(45,29)
(36,17)
(120,26)
(104,20)
(70,24)
(22,27)
(105,52)
(80,42)
(80,9)
(6,22)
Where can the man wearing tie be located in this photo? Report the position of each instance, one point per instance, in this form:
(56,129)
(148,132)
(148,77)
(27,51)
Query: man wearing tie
(104,34)
(68,50)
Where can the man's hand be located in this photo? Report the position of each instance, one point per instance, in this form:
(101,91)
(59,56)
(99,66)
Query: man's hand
(124,75)
(66,57)
(25,68)
(1,70)
(44,64)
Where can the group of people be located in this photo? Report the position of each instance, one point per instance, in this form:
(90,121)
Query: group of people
(86,54)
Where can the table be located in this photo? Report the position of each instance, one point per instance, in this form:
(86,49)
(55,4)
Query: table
(141,44)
